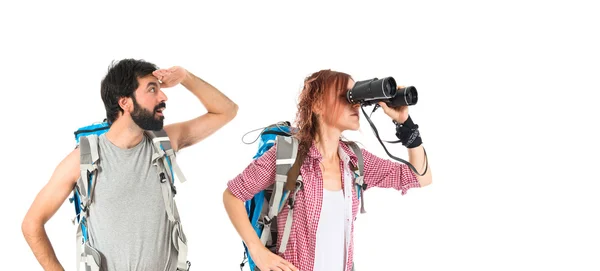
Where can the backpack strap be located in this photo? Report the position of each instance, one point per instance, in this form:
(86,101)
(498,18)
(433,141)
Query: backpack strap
(359,175)
(88,167)
(164,159)
(293,185)
(164,172)
(180,242)
(288,222)
(162,145)
(87,258)
(90,259)
(287,147)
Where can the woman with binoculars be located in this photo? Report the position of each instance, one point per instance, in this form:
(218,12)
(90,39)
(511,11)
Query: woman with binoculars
(325,208)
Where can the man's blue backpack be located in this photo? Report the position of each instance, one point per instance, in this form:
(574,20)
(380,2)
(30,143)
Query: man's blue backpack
(86,138)
(266,205)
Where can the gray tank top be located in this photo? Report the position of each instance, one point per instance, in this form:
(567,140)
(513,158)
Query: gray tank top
(128,224)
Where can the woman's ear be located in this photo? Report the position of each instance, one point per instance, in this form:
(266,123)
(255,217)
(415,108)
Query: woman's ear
(317,108)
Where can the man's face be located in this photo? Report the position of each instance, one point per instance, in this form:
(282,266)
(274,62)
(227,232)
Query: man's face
(149,102)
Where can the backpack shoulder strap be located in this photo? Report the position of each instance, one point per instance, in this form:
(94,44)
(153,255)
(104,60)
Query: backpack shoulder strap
(164,159)
(83,195)
(286,149)
(88,167)
(361,162)
(162,147)
(360,174)
(293,183)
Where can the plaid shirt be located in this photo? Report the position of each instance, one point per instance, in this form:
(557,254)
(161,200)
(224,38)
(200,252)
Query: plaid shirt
(300,250)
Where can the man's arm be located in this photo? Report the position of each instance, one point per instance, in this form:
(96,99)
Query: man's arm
(45,205)
(221,109)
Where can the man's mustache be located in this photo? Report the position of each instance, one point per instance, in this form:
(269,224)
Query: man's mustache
(159,106)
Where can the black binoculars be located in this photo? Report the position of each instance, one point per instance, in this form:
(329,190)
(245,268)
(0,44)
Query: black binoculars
(372,91)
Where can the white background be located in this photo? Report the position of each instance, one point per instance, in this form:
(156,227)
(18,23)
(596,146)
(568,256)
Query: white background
(506,91)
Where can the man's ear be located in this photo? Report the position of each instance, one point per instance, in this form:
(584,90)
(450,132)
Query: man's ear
(126,104)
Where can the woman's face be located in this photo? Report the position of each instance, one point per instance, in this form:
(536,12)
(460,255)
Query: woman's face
(343,116)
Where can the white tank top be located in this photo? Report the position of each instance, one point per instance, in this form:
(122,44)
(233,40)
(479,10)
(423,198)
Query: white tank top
(330,248)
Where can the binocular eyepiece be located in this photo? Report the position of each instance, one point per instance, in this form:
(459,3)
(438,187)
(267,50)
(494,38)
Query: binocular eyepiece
(372,91)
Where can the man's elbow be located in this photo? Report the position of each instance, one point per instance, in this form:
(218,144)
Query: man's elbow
(230,113)
(233,111)
(29,227)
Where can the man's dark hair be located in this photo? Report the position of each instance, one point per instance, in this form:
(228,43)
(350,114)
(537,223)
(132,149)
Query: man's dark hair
(121,80)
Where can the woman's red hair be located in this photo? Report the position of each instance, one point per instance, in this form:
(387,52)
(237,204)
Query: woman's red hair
(325,89)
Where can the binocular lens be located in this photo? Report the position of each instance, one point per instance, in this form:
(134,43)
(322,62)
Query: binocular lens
(390,87)
(410,95)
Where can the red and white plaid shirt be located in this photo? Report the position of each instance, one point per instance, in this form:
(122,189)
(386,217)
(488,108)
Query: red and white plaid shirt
(300,250)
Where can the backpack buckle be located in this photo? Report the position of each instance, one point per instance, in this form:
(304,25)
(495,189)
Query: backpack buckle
(173,189)
(292,199)
(267,220)
(187,268)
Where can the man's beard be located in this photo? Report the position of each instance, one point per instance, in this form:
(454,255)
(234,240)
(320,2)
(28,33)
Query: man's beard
(146,119)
